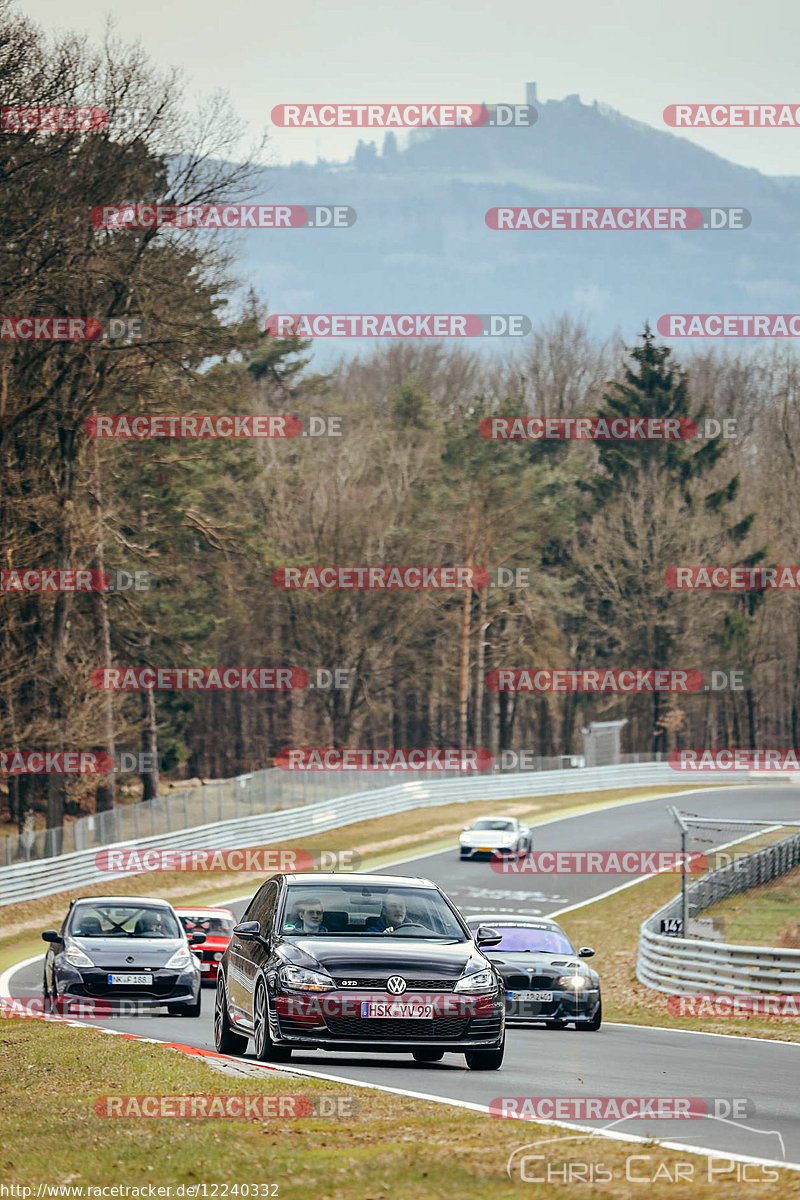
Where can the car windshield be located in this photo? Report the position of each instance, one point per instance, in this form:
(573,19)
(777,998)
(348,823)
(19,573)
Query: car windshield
(356,910)
(494,823)
(211,926)
(123,920)
(529,939)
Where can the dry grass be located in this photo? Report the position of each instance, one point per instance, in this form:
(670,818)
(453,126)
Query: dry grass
(390,1146)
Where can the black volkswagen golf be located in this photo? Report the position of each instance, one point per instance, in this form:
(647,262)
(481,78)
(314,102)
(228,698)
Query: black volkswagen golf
(359,962)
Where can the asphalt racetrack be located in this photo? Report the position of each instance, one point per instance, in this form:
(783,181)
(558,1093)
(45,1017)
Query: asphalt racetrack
(619,1060)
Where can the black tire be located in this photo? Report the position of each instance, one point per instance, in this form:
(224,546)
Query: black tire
(427,1056)
(225,1040)
(595,1023)
(556,1023)
(265,1049)
(486,1060)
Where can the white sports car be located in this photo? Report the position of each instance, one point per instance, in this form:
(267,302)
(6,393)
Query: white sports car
(495,835)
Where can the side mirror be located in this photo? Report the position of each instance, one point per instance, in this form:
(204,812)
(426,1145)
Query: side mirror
(247,930)
(196,938)
(51,935)
(486,936)
(586,952)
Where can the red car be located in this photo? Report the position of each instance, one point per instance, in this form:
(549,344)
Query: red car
(217,924)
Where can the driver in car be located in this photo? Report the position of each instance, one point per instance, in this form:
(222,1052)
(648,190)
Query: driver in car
(392,916)
(150,925)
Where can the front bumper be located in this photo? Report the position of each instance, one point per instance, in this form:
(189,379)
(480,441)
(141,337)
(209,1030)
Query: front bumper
(334,1021)
(487,851)
(566,1005)
(166,987)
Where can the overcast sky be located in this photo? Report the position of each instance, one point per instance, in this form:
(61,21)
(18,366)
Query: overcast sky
(637,57)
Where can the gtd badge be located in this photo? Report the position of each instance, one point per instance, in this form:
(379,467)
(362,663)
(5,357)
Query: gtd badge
(396,985)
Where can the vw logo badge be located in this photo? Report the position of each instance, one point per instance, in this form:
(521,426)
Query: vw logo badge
(130,958)
(396,985)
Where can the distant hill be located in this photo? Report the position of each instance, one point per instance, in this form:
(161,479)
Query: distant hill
(421,244)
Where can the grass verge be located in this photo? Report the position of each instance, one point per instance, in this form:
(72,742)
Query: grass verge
(390,1146)
(612,927)
(768,915)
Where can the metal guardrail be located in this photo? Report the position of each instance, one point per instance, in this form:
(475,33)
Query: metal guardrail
(27,880)
(692,965)
(270,790)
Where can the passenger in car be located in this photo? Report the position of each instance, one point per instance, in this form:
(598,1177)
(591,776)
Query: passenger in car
(311,917)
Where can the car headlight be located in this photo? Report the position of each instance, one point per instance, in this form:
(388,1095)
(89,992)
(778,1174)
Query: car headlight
(573,982)
(76,958)
(478,981)
(181,959)
(306,981)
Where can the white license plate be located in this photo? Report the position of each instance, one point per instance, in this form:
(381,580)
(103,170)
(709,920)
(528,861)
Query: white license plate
(131,980)
(396,1009)
(544,997)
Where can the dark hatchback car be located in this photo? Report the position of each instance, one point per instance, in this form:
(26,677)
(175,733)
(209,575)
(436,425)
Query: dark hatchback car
(545,977)
(361,963)
(123,953)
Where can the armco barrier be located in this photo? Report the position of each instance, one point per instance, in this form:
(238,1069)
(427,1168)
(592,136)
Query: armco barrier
(27,880)
(692,965)
(201,802)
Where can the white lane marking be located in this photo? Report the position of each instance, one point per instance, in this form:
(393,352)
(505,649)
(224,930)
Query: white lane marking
(587,811)
(5,978)
(665,870)
(740,1037)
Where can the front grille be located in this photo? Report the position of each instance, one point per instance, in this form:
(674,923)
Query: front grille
(290,1025)
(486,1027)
(548,982)
(96,984)
(444,1028)
(513,982)
(375,983)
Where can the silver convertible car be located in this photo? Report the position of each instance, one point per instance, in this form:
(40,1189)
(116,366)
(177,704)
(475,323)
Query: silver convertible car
(495,836)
